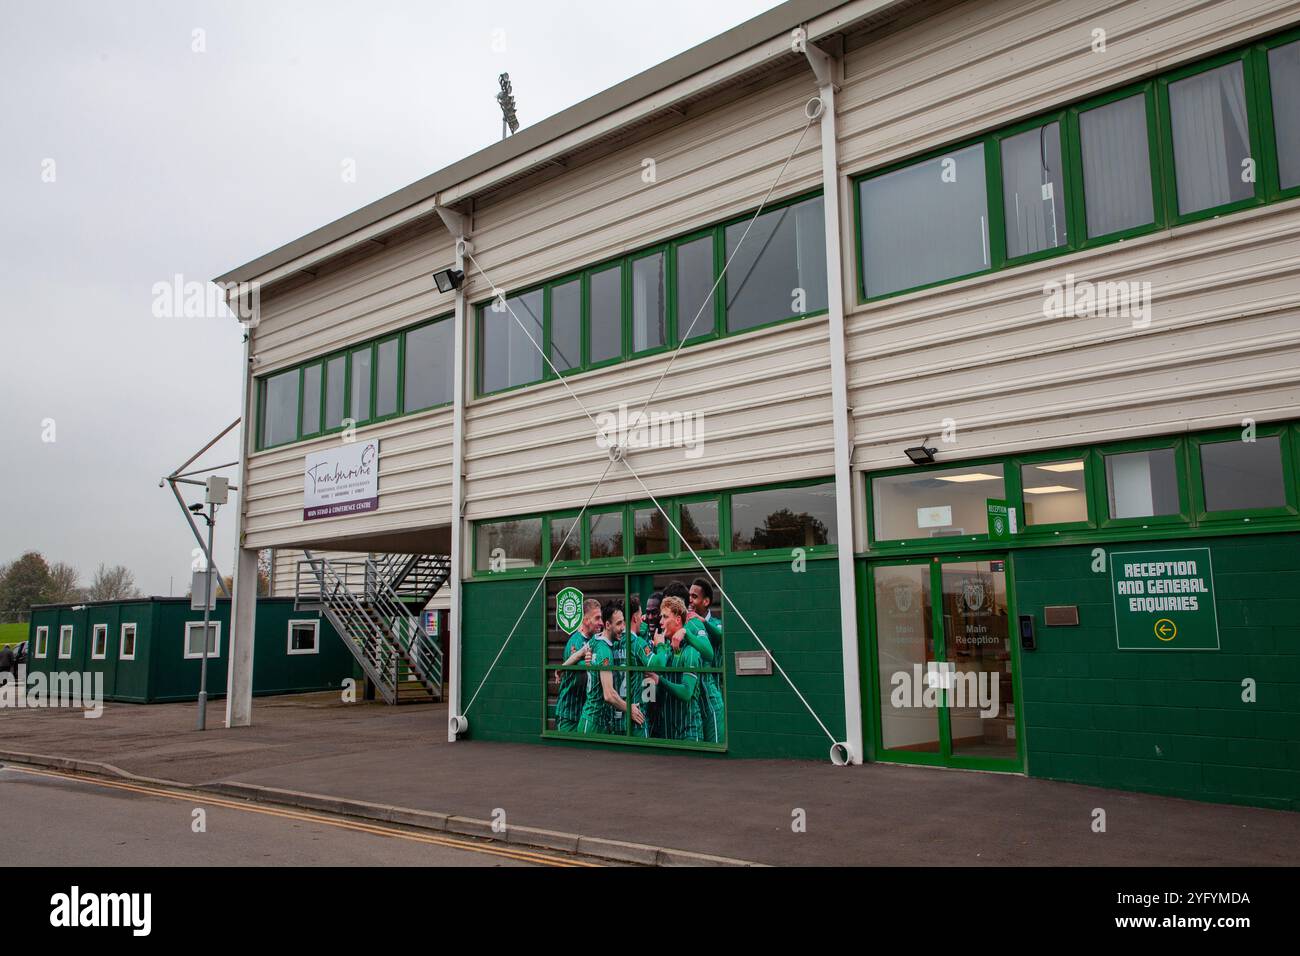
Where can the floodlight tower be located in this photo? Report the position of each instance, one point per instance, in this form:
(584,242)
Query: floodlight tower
(506,100)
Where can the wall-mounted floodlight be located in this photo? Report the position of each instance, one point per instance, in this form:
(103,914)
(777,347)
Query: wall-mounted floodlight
(920,455)
(448,280)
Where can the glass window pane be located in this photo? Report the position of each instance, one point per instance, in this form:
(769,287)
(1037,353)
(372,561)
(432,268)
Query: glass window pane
(311,381)
(606,532)
(648,302)
(361,384)
(783,518)
(651,532)
(194,639)
(904,642)
(566,325)
(1211,138)
(507,545)
(1284,78)
(1241,474)
(566,540)
(607,314)
(699,525)
(429,369)
(1143,484)
(925,223)
(1033,189)
(280,408)
(695,296)
(507,355)
(1116,166)
(386,378)
(335,396)
(779,267)
(1054,492)
(935,503)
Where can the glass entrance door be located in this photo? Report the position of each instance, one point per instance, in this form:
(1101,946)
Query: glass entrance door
(944,663)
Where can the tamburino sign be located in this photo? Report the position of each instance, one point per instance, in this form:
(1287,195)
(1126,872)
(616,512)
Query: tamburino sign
(342,480)
(1164,600)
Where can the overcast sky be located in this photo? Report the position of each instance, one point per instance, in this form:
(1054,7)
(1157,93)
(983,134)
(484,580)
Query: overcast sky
(146,140)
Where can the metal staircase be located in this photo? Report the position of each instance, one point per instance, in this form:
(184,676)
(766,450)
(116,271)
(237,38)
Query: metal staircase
(375,605)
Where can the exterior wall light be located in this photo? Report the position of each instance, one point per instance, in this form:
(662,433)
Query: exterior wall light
(920,455)
(449,280)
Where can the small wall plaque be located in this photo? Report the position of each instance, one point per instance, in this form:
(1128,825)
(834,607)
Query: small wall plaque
(1061,615)
(752,663)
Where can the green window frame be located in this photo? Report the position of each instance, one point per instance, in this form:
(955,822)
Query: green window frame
(1042,461)
(1010,493)
(554,536)
(1101,486)
(1287,463)
(1258,91)
(710,325)
(312,425)
(620,515)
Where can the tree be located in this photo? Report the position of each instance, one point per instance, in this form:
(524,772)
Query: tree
(112,584)
(64,588)
(25,582)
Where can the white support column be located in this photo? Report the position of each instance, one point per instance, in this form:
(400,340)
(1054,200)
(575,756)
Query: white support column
(826,69)
(243,603)
(456,224)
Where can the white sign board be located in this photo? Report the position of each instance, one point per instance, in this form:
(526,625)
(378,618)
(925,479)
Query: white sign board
(342,480)
(936,517)
(201,583)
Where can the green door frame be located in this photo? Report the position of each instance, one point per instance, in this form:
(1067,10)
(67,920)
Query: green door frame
(945,756)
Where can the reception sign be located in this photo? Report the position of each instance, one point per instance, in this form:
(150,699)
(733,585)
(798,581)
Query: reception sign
(342,480)
(1164,600)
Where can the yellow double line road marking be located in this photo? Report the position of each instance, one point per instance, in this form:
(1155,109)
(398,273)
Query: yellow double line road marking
(526,856)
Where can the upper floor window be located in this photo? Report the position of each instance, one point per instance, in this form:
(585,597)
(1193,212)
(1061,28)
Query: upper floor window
(1284,92)
(779,269)
(1211,138)
(1116,149)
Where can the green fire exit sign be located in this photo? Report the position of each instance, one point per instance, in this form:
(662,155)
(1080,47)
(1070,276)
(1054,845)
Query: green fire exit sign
(1164,600)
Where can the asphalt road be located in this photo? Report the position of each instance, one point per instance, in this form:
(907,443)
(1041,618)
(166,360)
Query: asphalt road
(57,819)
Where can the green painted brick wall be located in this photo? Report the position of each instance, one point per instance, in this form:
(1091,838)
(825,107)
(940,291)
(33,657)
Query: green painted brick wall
(509,707)
(1167,721)
(796,613)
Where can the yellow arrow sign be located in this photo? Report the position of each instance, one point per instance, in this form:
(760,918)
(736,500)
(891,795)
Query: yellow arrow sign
(1166,629)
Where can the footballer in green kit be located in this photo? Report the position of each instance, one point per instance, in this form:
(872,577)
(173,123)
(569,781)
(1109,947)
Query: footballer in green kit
(705,634)
(602,712)
(682,692)
(573,684)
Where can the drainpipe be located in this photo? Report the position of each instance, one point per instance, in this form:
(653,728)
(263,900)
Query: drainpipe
(456,723)
(828,70)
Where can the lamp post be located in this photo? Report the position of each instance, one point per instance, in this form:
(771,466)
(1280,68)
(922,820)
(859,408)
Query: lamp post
(215,493)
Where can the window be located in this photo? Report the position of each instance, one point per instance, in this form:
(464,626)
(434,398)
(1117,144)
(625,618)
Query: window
(650,531)
(1284,84)
(311,386)
(508,545)
(336,370)
(1143,484)
(649,302)
(1055,492)
(1033,190)
(779,271)
(606,315)
(566,539)
(1116,166)
(280,408)
(507,355)
(42,642)
(925,222)
(194,639)
(65,641)
(99,642)
(304,637)
(360,406)
(696,300)
(566,325)
(802,517)
(386,378)
(605,534)
(1240,475)
(1211,138)
(936,503)
(698,521)
(429,376)
(126,645)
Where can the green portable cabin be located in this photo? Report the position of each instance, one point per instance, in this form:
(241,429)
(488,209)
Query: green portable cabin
(150,649)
